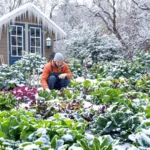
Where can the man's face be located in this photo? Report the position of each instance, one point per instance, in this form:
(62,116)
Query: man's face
(58,63)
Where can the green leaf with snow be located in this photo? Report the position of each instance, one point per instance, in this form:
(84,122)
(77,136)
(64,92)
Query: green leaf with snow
(86,83)
(75,146)
(147,111)
(59,143)
(64,147)
(141,139)
(96,144)
(54,141)
(68,138)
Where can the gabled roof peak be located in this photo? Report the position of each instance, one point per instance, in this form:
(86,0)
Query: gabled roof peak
(47,23)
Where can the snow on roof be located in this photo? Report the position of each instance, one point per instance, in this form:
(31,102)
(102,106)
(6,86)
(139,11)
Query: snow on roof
(37,13)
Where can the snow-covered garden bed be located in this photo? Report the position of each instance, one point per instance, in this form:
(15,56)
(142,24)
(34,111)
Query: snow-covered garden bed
(109,112)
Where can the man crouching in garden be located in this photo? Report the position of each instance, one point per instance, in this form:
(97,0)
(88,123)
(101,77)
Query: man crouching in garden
(56,74)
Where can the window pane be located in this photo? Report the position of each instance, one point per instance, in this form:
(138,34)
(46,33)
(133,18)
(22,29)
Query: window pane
(32,41)
(14,51)
(32,32)
(19,51)
(38,50)
(19,30)
(13,32)
(38,42)
(13,40)
(35,40)
(32,49)
(37,32)
(19,40)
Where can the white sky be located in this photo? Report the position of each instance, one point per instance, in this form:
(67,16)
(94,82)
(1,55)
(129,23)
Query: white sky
(87,2)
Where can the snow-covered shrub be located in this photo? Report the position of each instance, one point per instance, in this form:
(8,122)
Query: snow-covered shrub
(89,42)
(16,75)
(75,67)
(9,78)
(29,62)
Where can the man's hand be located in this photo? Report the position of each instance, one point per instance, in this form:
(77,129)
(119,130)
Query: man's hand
(47,89)
(62,76)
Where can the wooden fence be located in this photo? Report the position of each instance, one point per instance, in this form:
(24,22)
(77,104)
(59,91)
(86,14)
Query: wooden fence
(33,79)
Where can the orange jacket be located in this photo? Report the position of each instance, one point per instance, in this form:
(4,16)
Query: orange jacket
(49,68)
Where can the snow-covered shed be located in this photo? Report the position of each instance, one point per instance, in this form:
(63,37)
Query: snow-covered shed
(26,29)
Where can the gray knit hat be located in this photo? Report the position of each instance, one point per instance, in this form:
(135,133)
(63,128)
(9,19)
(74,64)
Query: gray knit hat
(59,57)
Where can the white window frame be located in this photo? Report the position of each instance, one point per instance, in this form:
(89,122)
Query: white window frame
(35,40)
(16,36)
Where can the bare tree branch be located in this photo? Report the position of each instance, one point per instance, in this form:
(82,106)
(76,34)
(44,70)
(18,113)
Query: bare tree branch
(114,16)
(109,16)
(51,10)
(143,8)
(106,23)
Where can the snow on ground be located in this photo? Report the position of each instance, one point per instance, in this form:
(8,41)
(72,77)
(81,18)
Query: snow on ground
(122,147)
(81,79)
(90,105)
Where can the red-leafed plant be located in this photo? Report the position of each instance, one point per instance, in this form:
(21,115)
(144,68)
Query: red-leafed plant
(24,94)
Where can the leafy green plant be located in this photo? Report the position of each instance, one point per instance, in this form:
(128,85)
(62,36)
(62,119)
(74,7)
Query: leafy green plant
(69,95)
(100,143)
(147,110)
(116,69)
(143,84)
(45,95)
(7,101)
(141,139)
(24,130)
(136,105)
(105,95)
(117,121)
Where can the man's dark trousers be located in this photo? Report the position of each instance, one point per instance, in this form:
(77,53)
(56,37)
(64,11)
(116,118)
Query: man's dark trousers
(55,83)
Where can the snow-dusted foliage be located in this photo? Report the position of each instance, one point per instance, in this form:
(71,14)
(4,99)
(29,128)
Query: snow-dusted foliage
(128,20)
(30,62)
(89,42)
(18,73)
(133,23)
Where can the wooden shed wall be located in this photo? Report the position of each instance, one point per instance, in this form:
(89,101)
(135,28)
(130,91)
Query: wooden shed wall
(4,42)
(4,46)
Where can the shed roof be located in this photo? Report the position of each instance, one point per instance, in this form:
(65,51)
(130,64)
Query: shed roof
(29,10)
